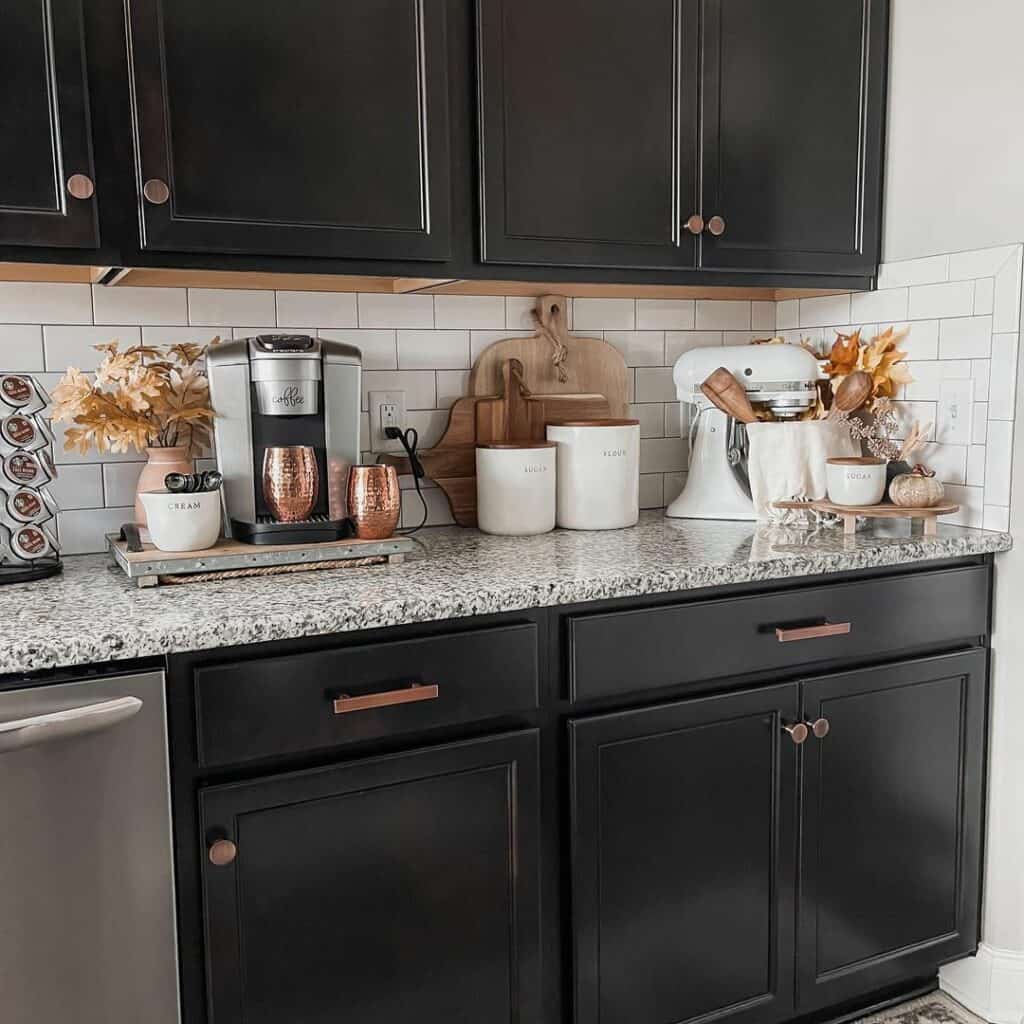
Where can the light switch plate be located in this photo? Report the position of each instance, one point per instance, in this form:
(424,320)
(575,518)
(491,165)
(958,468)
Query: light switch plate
(386,408)
(956,407)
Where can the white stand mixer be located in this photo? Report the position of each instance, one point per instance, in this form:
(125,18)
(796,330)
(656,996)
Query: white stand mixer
(782,378)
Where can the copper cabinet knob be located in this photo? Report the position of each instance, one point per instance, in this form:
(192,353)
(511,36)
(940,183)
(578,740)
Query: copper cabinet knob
(695,224)
(716,225)
(819,728)
(798,732)
(222,853)
(80,186)
(156,191)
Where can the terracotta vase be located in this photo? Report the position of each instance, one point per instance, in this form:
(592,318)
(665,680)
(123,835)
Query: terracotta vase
(161,461)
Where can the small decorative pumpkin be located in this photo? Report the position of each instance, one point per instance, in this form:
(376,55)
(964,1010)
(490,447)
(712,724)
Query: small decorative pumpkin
(917,489)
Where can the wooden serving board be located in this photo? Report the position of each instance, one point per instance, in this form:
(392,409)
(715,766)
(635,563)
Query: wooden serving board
(592,366)
(886,510)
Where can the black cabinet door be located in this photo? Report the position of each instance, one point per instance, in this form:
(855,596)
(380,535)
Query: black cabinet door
(298,128)
(793,111)
(588,129)
(684,857)
(46,170)
(380,892)
(892,825)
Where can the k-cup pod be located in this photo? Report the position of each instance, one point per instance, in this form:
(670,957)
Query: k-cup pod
(26,469)
(20,393)
(21,433)
(26,506)
(27,544)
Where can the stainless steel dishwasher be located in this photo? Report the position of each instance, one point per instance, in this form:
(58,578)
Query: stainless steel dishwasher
(87,925)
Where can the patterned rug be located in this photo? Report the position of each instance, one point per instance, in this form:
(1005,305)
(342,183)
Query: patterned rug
(934,1008)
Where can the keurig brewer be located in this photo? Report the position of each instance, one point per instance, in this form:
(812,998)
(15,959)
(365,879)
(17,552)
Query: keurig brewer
(285,392)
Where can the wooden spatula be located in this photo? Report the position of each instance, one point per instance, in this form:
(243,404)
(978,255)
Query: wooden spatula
(725,392)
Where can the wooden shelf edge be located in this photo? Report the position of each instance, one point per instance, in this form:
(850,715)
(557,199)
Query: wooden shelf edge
(59,273)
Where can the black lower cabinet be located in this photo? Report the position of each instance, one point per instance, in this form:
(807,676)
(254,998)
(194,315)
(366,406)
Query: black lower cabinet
(389,890)
(683,848)
(892,825)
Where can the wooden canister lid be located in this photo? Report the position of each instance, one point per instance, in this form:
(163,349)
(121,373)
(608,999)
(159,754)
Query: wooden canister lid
(518,446)
(594,423)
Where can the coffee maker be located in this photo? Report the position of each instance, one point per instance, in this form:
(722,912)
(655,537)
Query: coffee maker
(282,390)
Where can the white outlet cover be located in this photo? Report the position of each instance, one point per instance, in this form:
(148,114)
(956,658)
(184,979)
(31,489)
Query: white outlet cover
(956,409)
(378,442)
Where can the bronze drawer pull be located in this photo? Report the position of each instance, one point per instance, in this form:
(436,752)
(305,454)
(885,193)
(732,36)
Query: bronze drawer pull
(798,731)
(410,695)
(785,636)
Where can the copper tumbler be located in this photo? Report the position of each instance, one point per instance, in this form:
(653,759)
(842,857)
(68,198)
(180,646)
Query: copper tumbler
(374,501)
(291,482)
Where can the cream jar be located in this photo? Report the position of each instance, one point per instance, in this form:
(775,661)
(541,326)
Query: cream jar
(598,473)
(515,488)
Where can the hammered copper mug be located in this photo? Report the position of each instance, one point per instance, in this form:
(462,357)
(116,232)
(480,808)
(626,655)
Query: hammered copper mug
(374,501)
(291,482)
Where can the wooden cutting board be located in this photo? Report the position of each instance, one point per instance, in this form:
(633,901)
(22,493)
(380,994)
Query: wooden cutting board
(588,366)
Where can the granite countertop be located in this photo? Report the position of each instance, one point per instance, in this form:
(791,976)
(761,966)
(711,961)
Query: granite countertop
(93,613)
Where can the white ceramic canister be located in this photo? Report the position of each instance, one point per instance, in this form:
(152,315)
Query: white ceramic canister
(182,522)
(515,488)
(856,480)
(598,473)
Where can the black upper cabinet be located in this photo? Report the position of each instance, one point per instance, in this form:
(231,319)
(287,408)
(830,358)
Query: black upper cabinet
(684,844)
(46,170)
(890,881)
(293,128)
(588,127)
(388,890)
(793,117)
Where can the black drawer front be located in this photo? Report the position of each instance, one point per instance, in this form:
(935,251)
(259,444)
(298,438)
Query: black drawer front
(266,707)
(620,652)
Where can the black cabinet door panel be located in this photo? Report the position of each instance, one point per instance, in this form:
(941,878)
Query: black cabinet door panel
(890,877)
(296,128)
(380,892)
(44,125)
(588,116)
(684,854)
(793,112)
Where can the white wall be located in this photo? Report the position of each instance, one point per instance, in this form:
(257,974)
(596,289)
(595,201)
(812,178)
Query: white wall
(955,152)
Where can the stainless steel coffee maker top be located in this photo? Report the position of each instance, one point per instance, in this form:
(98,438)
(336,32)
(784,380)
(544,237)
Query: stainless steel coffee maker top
(286,370)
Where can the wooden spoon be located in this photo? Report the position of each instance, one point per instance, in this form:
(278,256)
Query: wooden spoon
(726,393)
(854,390)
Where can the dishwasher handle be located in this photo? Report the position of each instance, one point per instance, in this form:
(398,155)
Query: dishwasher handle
(57,725)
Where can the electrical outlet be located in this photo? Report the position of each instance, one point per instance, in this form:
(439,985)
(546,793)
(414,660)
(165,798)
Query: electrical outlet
(956,407)
(387,409)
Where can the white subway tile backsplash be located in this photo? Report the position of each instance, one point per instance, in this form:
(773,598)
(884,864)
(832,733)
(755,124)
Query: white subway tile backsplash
(887,306)
(665,314)
(674,420)
(480,340)
(996,518)
(119,482)
(949,461)
(1002,392)
(75,346)
(21,347)
(176,335)
(929,270)
(998,462)
(654,384)
(84,531)
(604,314)
(909,413)
(920,340)
(971,502)
(787,314)
(825,310)
(976,465)
(716,315)
(78,487)
(396,310)
(128,305)
(652,490)
(317,309)
(979,423)
(480,312)
(231,306)
(966,338)
(639,348)
(984,296)
(975,263)
(379,348)
(981,373)
(662,455)
(652,418)
(420,386)
(519,313)
(678,342)
(451,385)
(429,424)
(762,318)
(1006,300)
(23,303)
(439,512)
(928,377)
(440,350)
(674,483)
(938,301)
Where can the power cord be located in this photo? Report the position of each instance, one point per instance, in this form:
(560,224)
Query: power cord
(409,439)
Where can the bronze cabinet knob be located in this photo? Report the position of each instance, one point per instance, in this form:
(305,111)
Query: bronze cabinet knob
(695,224)
(716,225)
(798,732)
(222,853)
(80,186)
(156,191)
(819,728)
